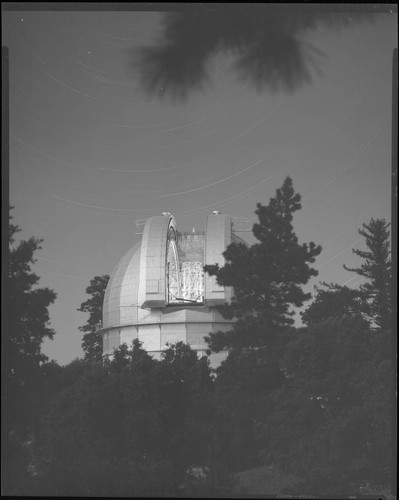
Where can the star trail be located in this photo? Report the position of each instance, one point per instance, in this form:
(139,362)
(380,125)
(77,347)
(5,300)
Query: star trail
(90,152)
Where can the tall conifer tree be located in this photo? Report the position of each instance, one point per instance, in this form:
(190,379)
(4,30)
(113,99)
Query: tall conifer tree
(27,308)
(334,301)
(92,343)
(376,268)
(26,327)
(267,277)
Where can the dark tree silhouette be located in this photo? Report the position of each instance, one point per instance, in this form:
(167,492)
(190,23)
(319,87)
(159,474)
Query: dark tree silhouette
(27,325)
(267,41)
(92,343)
(333,417)
(244,384)
(267,277)
(27,312)
(334,301)
(130,426)
(376,268)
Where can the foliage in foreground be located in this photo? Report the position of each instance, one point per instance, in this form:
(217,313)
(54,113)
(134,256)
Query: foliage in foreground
(130,426)
(266,41)
(135,426)
(26,327)
(305,407)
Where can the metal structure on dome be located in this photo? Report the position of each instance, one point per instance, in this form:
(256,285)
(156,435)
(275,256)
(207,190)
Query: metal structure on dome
(184,281)
(192,281)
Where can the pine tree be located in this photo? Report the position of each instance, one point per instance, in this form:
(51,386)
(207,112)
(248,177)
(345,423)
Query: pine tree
(333,301)
(333,416)
(27,325)
(92,343)
(27,313)
(266,277)
(376,268)
(267,44)
(142,423)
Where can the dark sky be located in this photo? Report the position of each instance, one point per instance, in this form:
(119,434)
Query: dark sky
(90,154)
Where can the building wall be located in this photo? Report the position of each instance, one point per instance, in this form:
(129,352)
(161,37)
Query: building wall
(217,238)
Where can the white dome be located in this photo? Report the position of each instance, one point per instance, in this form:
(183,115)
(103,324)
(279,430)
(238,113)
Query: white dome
(158,292)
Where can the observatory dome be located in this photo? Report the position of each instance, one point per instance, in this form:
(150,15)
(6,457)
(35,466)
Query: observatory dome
(158,292)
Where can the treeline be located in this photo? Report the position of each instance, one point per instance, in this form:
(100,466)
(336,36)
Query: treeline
(306,411)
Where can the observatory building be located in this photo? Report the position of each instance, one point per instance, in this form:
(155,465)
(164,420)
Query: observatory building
(158,292)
